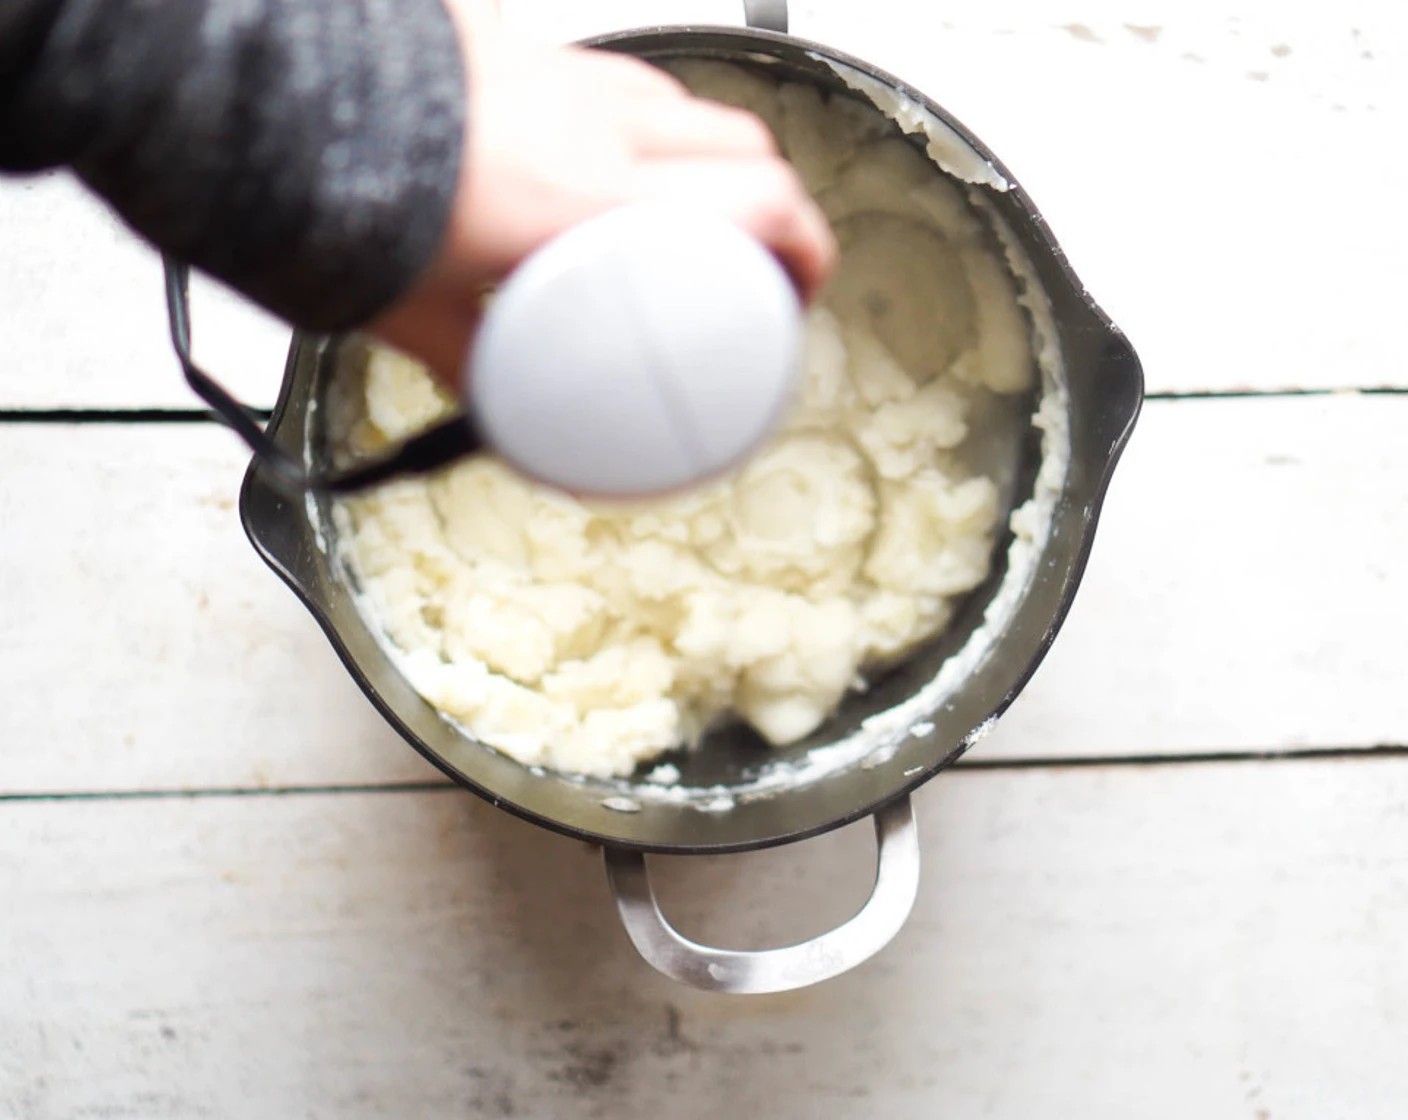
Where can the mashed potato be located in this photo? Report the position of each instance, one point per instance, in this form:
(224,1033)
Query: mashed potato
(590,637)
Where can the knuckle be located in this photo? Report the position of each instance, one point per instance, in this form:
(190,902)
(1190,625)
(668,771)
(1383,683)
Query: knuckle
(778,195)
(774,217)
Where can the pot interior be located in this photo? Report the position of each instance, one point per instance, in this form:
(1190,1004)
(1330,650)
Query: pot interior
(735,792)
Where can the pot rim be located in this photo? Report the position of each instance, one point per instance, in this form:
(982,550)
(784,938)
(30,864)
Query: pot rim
(261,504)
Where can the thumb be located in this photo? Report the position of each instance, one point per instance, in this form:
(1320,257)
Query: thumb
(437,332)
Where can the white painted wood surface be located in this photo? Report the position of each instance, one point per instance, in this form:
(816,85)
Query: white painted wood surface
(1247,590)
(1160,942)
(1101,940)
(84,315)
(188,664)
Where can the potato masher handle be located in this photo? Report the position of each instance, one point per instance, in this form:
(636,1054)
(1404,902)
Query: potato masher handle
(794,966)
(767,15)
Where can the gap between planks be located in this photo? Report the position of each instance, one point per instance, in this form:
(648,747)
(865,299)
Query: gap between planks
(205,416)
(118,415)
(1205,758)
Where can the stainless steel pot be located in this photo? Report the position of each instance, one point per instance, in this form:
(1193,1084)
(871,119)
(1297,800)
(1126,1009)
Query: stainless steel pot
(774,800)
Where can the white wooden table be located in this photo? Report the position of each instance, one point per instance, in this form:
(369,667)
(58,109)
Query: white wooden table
(1173,883)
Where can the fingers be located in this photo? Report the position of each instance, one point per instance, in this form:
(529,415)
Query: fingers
(481,12)
(608,74)
(727,159)
(764,196)
(661,115)
(801,236)
(689,126)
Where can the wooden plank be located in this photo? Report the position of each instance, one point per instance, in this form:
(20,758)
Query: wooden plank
(1244,594)
(1222,942)
(1246,590)
(142,642)
(1213,205)
(84,316)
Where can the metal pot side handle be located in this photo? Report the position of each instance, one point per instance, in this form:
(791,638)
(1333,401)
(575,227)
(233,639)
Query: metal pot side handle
(794,966)
(766,15)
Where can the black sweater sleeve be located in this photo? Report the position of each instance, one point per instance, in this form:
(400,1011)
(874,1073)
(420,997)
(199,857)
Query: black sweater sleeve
(303,151)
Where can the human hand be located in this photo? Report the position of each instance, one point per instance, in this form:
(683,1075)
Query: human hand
(559,134)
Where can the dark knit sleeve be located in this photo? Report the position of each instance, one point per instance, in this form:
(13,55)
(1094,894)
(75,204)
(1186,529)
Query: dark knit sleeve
(304,151)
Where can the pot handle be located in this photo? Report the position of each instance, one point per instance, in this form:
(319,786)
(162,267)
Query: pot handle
(794,966)
(767,15)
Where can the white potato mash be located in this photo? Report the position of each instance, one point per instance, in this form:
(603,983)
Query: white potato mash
(589,637)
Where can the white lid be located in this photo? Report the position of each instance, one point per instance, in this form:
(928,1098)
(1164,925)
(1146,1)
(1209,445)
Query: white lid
(641,351)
